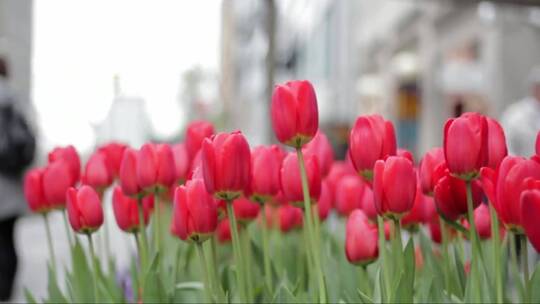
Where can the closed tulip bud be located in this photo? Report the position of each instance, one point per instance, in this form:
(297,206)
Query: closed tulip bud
(530,212)
(291,183)
(96,173)
(226,162)
(322,149)
(391,200)
(245,210)
(126,210)
(113,155)
(155,167)
(181,162)
(417,215)
(368,204)
(128,173)
(223,231)
(71,157)
(496,143)
(482,220)
(338,170)
(372,138)
(265,172)
(505,185)
(33,191)
(405,153)
(361,240)
(294,113)
(432,220)
(432,159)
(349,193)
(196,132)
(56,181)
(84,209)
(290,217)
(451,196)
(466,144)
(324,204)
(195,212)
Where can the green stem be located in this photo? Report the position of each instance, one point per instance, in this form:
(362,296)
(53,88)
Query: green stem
(444,234)
(207,287)
(237,250)
(246,254)
(525,265)
(95,266)
(68,231)
(266,254)
(157,225)
(309,226)
(473,235)
(496,246)
(142,231)
(49,242)
(385,269)
(139,273)
(107,242)
(514,263)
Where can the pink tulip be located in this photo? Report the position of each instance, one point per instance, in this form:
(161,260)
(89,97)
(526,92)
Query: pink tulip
(71,157)
(196,132)
(291,183)
(361,240)
(320,147)
(84,209)
(390,199)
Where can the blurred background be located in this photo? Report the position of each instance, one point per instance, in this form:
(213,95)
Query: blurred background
(87,72)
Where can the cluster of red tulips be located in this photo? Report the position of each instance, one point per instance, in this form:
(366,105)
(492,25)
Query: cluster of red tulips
(210,188)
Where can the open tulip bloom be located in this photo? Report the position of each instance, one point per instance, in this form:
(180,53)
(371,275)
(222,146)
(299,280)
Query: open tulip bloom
(210,220)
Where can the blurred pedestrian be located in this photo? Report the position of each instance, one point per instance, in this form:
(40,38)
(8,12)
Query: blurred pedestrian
(17,147)
(521,120)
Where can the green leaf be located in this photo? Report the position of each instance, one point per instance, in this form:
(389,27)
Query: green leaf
(55,294)
(535,281)
(460,272)
(364,298)
(405,286)
(82,282)
(154,291)
(190,286)
(29,296)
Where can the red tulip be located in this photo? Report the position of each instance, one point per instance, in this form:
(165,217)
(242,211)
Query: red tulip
(530,212)
(405,153)
(294,113)
(226,161)
(451,195)
(349,193)
(324,204)
(195,213)
(432,159)
(245,210)
(482,220)
(372,138)
(290,217)
(496,143)
(291,183)
(505,185)
(361,240)
(113,154)
(181,162)
(126,211)
(223,231)
(196,132)
(84,209)
(432,220)
(71,157)
(391,199)
(338,170)
(368,204)
(265,172)
(96,173)
(33,191)
(155,167)
(466,144)
(417,215)
(320,147)
(56,181)
(128,173)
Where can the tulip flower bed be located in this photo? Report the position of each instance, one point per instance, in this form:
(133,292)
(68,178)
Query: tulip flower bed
(212,220)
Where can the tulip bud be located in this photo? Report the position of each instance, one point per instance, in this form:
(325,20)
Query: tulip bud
(466,144)
(71,157)
(96,173)
(245,210)
(33,191)
(324,204)
(482,220)
(505,185)
(223,231)
(195,213)
(113,155)
(428,164)
(290,217)
(56,181)
(372,138)
(322,149)
(126,210)
(291,183)
(265,172)
(361,240)
(417,215)
(181,162)
(196,132)
(392,200)
(368,204)
(84,209)
(338,170)
(405,153)
(128,173)
(349,193)
(155,167)
(530,212)
(496,143)
(294,113)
